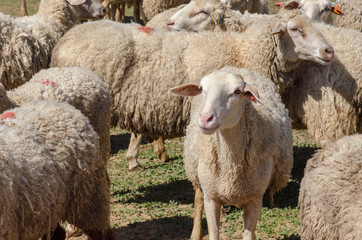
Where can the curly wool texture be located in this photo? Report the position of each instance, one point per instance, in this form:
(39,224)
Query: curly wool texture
(79,87)
(352,15)
(141,67)
(328,99)
(51,171)
(331,192)
(153,7)
(27,42)
(231,20)
(252,6)
(228,164)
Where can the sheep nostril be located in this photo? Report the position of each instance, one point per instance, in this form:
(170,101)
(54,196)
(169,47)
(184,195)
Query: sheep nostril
(329,50)
(211,118)
(170,23)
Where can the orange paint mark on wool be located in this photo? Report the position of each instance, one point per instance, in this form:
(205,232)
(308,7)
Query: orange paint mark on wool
(145,29)
(47,82)
(7,115)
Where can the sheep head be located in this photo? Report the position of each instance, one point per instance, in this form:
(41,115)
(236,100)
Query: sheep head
(224,94)
(300,40)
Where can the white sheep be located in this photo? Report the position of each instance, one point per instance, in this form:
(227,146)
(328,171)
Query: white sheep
(235,149)
(147,62)
(79,87)
(51,171)
(26,43)
(331,192)
(153,7)
(325,99)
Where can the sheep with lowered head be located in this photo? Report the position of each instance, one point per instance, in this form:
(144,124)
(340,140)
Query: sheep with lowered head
(234,148)
(148,62)
(331,192)
(27,42)
(51,171)
(79,87)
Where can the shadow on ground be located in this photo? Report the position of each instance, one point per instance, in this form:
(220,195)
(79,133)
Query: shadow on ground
(180,191)
(121,141)
(175,228)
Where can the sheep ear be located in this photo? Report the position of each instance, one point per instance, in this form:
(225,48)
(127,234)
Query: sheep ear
(252,93)
(279,28)
(290,5)
(76,2)
(187,90)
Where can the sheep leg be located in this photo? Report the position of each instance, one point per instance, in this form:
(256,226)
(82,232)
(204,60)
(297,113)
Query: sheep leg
(132,152)
(199,206)
(160,151)
(212,210)
(251,214)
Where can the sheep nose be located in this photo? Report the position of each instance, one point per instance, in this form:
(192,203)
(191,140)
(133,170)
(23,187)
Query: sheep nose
(329,53)
(206,119)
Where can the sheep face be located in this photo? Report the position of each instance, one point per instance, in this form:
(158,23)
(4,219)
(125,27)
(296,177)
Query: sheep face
(300,40)
(224,95)
(196,16)
(88,9)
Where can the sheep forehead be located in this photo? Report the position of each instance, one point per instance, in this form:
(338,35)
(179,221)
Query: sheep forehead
(202,4)
(300,21)
(222,82)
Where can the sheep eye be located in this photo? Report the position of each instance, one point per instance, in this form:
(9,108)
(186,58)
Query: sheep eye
(294,29)
(238,92)
(203,12)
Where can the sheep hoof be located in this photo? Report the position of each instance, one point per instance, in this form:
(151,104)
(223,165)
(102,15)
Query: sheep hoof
(164,157)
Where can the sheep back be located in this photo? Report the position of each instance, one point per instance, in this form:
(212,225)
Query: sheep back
(331,192)
(51,171)
(352,15)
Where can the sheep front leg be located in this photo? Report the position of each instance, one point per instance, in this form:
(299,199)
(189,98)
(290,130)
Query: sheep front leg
(198,206)
(251,214)
(212,211)
(160,151)
(132,152)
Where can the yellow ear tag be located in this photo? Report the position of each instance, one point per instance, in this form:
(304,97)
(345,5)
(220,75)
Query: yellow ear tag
(218,19)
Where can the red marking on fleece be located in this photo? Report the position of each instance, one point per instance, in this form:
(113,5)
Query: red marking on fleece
(7,115)
(145,29)
(47,82)
(280,4)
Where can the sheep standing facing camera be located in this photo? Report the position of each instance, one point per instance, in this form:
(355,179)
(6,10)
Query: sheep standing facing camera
(51,170)
(331,192)
(234,148)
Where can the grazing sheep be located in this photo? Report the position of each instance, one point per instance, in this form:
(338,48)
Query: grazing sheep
(146,63)
(51,171)
(235,149)
(328,99)
(79,87)
(26,43)
(352,15)
(331,192)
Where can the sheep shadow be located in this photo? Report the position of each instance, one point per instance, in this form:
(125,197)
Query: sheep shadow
(292,237)
(175,228)
(288,197)
(180,191)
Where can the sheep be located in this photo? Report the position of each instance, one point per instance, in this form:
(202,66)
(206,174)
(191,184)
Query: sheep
(338,111)
(235,149)
(331,192)
(79,87)
(327,100)
(145,64)
(153,7)
(203,15)
(51,171)
(26,43)
(352,15)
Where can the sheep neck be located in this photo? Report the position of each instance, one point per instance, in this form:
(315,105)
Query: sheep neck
(60,12)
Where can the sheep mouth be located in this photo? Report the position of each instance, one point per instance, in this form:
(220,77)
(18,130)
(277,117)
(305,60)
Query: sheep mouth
(209,131)
(325,60)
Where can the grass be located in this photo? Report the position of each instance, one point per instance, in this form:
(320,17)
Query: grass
(157,202)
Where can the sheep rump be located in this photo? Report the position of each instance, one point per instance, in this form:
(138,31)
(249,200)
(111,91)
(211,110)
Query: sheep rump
(331,192)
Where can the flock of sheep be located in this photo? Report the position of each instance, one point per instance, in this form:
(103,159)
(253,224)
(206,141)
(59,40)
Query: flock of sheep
(225,73)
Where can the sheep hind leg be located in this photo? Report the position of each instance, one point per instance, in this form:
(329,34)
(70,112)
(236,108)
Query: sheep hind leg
(132,152)
(160,151)
(251,214)
(199,207)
